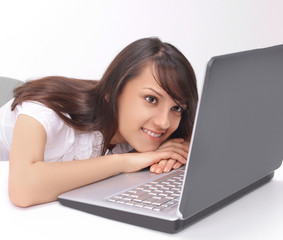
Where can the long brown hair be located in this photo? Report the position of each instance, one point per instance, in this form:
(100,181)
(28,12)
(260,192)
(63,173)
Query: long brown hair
(92,105)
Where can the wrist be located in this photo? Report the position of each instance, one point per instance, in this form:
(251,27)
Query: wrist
(125,163)
(120,163)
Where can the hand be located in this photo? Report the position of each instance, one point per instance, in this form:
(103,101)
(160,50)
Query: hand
(166,165)
(172,151)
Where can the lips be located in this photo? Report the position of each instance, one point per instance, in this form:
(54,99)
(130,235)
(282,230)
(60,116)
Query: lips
(152,134)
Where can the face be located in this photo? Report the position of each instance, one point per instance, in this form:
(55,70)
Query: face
(147,115)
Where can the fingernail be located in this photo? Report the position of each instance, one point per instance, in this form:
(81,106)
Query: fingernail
(166,170)
(158,170)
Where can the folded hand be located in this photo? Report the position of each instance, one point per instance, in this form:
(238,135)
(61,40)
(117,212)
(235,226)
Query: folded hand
(177,145)
(171,154)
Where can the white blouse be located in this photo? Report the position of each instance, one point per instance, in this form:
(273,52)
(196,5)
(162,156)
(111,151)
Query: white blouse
(63,142)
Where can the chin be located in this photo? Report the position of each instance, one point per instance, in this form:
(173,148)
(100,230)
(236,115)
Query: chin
(146,149)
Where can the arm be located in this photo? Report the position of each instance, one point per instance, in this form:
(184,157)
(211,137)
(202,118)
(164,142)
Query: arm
(33,181)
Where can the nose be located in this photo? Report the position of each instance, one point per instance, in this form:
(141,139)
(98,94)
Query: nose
(162,120)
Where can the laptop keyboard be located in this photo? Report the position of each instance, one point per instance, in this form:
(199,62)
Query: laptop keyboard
(156,195)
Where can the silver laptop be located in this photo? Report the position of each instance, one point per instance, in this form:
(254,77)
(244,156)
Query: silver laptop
(236,146)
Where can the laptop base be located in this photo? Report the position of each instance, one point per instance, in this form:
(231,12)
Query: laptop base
(156,223)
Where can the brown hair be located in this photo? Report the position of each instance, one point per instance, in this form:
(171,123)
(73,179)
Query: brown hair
(92,105)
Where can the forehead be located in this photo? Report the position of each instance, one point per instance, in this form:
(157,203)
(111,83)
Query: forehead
(146,79)
(163,78)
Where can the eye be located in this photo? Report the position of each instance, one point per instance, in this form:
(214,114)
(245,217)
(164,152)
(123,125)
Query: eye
(151,99)
(178,109)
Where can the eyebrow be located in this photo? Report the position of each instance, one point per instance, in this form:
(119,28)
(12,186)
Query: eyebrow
(159,94)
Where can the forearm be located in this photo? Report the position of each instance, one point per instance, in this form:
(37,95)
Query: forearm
(43,181)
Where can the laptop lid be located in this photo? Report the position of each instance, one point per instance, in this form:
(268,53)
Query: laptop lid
(238,135)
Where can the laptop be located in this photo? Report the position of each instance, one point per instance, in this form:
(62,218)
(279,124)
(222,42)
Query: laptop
(236,146)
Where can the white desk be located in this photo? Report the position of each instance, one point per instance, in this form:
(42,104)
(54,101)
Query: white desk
(258,215)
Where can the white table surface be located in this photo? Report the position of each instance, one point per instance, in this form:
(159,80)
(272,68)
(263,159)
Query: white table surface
(258,215)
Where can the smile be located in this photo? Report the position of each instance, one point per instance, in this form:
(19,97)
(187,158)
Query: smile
(152,134)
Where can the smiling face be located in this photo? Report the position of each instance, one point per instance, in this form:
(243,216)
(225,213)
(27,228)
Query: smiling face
(147,115)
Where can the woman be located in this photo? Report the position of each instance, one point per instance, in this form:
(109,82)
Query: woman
(139,114)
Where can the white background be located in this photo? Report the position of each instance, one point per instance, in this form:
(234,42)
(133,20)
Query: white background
(79,38)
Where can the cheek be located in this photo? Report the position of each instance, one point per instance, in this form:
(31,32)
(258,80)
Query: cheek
(175,123)
(128,114)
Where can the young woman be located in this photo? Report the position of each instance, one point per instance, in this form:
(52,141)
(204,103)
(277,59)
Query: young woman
(140,114)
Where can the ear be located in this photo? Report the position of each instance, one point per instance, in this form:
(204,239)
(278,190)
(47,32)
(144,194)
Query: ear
(106,97)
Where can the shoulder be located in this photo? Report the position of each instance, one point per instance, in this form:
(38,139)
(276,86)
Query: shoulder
(61,139)
(48,118)
(33,108)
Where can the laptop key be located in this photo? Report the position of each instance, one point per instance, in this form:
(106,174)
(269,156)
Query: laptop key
(160,201)
(155,195)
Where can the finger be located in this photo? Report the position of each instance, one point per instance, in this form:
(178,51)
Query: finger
(153,167)
(187,143)
(169,142)
(169,155)
(169,165)
(177,165)
(180,149)
(160,166)
(183,146)
(179,158)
